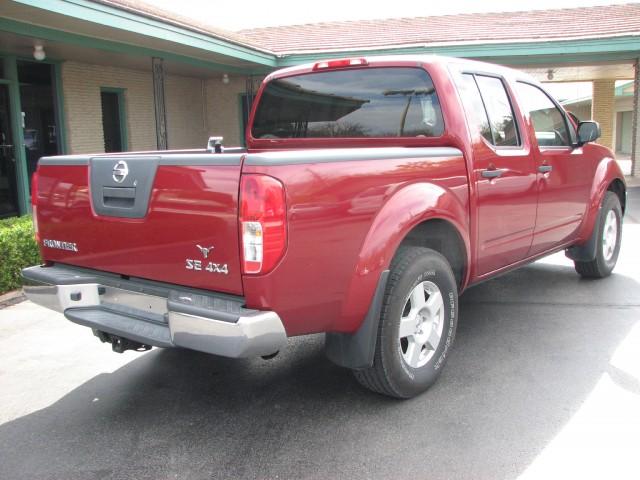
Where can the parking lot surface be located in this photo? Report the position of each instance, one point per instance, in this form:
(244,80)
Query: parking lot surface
(543,382)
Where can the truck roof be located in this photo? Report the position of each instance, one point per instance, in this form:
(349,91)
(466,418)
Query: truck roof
(389,60)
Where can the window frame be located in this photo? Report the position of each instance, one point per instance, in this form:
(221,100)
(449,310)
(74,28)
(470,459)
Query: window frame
(508,93)
(244,123)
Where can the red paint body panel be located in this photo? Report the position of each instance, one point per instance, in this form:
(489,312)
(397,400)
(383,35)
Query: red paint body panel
(562,196)
(506,209)
(189,205)
(345,219)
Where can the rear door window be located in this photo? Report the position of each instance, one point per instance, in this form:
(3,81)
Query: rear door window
(501,118)
(473,105)
(369,102)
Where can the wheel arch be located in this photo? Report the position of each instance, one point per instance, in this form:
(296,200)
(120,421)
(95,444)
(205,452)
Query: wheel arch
(618,187)
(356,350)
(421,214)
(409,214)
(442,236)
(608,178)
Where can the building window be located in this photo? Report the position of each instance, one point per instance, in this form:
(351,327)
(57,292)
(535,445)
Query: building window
(113,120)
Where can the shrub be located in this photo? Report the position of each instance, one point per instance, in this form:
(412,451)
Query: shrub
(18,249)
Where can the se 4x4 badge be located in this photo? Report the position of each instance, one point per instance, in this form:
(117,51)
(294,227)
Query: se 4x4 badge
(204,265)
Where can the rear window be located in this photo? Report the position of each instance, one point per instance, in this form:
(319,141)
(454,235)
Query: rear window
(372,102)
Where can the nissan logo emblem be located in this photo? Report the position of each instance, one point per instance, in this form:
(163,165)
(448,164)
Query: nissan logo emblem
(120,171)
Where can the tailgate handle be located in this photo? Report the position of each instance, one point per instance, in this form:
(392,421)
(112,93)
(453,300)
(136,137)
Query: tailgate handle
(119,197)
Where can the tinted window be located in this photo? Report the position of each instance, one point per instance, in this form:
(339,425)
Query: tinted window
(501,118)
(374,102)
(548,121)
(476,113)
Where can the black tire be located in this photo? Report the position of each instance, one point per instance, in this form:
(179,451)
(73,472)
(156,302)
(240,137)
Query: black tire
(390,374)
(601,266)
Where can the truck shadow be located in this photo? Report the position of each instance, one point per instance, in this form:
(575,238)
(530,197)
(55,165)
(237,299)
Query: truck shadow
(530,348)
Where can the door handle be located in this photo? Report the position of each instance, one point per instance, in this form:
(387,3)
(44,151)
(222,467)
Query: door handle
(545,168)
(492,173)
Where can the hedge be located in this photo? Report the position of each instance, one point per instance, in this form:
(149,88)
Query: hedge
(18,249)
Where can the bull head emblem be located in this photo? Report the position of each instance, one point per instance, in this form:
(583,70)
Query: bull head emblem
(205,250)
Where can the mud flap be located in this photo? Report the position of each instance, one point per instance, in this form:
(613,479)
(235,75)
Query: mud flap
(356,350)
(587,251)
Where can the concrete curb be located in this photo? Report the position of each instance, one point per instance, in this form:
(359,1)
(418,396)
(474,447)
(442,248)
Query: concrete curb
(11,298)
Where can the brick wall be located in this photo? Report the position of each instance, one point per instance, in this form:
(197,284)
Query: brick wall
(185,107)
(603,108)
(81,84)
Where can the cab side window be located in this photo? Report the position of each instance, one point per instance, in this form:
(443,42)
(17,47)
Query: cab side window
(501,118)
(474,108)
(548,121)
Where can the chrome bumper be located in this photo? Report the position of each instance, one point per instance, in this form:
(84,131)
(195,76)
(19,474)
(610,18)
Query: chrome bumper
(156,314)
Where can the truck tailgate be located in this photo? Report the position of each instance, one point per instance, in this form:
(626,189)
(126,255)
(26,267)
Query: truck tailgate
(170,217)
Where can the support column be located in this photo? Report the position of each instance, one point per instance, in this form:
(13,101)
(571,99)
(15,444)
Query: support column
(603,109)
(159,102)
(635,124)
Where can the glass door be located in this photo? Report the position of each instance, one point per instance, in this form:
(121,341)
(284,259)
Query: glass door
(8,186)
(38,112)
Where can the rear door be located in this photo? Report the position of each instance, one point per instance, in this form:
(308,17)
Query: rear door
(166,217)
(504,172)
(564,174)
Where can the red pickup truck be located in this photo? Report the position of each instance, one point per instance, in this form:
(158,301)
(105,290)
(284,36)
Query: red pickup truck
(372,192)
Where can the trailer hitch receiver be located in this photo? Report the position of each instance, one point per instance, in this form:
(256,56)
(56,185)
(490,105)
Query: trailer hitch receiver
(120,344)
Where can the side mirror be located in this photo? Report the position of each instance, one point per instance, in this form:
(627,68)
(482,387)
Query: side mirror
(588,132)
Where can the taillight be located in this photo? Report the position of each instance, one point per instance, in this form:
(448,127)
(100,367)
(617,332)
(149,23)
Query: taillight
(342,63)
(34,205)
(263,226)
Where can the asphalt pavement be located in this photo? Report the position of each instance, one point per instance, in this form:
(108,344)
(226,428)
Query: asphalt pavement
(543,382)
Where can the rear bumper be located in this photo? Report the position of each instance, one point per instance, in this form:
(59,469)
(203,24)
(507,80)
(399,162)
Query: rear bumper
(156,314)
